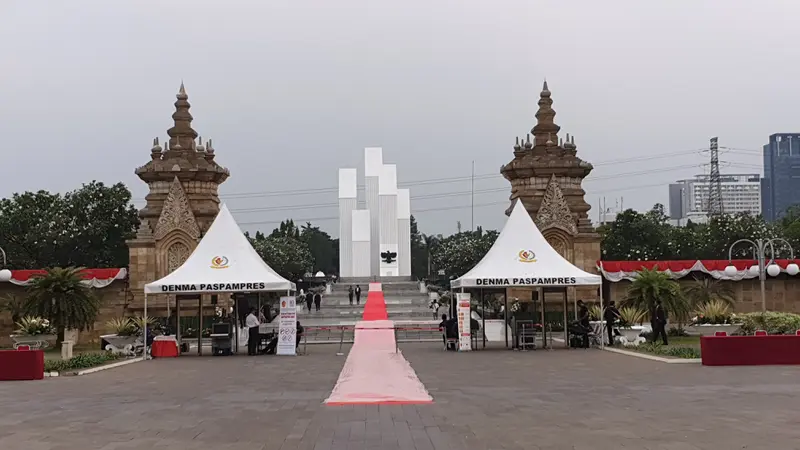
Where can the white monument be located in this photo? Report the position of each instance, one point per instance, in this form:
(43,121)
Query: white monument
(375,241)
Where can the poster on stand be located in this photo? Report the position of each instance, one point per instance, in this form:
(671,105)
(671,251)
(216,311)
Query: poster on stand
(287,327)
(464,341)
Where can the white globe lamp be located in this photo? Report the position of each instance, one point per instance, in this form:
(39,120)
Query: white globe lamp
(753,270)
(774,270)
(792,269)
(731,271)
(5,275)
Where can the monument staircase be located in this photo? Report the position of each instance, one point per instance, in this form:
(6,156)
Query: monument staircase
(405,304)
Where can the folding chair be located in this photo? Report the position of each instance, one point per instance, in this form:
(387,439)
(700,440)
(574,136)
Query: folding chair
(28,347)
(720,333)
(797,333)
(761,333)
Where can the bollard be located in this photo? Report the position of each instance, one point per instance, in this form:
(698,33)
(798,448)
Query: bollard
(396,344)
(305,343)
(66,350)
(341,342)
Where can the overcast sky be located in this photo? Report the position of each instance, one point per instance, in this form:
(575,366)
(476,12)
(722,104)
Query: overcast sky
(292,90)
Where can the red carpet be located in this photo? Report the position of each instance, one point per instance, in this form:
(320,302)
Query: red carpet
(375,373)
(375,308)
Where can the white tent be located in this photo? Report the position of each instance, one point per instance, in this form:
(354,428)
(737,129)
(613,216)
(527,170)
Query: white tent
(521,256)
(224,261)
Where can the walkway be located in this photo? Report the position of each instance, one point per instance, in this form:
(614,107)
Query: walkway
(375,373)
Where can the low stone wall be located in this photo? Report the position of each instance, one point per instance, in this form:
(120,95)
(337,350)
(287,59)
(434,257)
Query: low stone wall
(783,293)
(114,298)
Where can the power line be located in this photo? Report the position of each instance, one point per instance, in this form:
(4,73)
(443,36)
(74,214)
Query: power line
(434,181)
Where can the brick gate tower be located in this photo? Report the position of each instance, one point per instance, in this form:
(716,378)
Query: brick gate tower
(547,176)
(184,180)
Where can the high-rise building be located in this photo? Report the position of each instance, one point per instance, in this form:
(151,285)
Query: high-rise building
(781,184)
(688,199)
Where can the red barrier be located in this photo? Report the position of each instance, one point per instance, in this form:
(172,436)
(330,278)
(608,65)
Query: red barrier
(21,365)
(750,350)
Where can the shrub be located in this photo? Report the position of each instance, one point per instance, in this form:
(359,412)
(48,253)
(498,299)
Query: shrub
(772,322)
(79,361)
(631,315)
(677,332)
(121,326)
(675,352)
(33,326)
(713,312)
(595,313)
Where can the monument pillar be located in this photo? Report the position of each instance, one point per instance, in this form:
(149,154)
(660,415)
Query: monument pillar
(348,199)
(362,244)
(546,176)
(373,166)
(183,199)
(387,197)
(404,232)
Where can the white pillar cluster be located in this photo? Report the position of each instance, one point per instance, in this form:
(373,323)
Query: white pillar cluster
(376,241)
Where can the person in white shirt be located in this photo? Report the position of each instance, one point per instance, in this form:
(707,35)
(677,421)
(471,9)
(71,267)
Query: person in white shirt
(252,323)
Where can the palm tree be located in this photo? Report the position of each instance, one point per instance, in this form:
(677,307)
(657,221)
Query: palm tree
(61,296)
(652,285)
(704,290)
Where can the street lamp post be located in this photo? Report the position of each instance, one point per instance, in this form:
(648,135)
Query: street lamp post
(5,274)
(764,267)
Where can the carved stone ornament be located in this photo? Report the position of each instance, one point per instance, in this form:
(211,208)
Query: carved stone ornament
(177,254)
(177,214)
(558,245)
(554,210)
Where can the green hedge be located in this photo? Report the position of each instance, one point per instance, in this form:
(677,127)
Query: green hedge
(675,352)
(79,361)
(772,322)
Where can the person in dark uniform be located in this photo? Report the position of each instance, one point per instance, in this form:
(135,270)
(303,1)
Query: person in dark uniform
(610,315)
(350,292)
(659,323)
(309,300)
(253,337)
(358,295)
(317,300)
(583,320)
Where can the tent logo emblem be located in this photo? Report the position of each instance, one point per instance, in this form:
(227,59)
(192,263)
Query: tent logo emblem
(527,256)
(219,262)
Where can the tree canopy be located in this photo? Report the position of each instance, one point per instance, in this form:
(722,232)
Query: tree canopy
(87,227)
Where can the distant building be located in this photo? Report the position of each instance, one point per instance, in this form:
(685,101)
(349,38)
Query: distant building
(781,184)
(688,199)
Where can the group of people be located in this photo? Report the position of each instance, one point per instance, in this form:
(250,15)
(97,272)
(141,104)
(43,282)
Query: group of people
(313,299)
(351,291)
(658,321)
(253,323)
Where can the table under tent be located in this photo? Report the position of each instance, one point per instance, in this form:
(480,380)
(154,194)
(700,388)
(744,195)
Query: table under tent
(224,262)
(522,258)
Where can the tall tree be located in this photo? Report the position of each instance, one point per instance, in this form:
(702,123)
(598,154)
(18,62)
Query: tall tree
(458,253)
(323,249)
(419,252)
(290,257)
(287,228)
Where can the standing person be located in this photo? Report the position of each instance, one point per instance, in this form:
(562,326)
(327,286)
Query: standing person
(252,332)
(309,300)
(358,295)
(350,293)
(583,320)
(610,315)
(659,323)
(317,300)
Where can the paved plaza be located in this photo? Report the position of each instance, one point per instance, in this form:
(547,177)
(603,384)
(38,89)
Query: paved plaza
(567,399)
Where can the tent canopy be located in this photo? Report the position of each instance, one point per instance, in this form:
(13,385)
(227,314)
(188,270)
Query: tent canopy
(224,261)
(521,256)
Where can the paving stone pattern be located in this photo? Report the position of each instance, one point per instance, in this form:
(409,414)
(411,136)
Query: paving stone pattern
(483,400)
